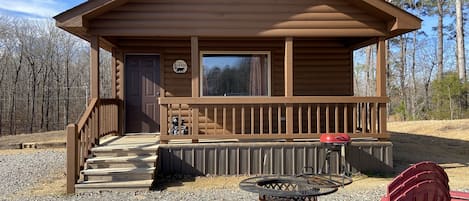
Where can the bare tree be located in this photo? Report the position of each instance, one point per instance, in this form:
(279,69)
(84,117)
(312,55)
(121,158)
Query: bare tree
(461,54)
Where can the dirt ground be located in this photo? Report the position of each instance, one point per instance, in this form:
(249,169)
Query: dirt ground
(52,136)
(445,142)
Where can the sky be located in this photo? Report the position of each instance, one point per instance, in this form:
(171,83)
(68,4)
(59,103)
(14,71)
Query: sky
(36,8)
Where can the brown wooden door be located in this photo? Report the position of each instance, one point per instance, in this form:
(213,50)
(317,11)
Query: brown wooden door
(142,90)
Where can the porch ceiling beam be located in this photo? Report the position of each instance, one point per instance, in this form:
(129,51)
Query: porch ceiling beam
(94,66)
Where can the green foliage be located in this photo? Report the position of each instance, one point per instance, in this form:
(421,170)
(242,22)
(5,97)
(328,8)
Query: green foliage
(449,97)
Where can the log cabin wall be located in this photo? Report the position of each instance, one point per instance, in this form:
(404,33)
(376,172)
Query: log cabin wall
(321,67)
(238,18)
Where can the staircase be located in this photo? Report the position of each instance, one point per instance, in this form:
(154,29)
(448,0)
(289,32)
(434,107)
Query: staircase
(120,164)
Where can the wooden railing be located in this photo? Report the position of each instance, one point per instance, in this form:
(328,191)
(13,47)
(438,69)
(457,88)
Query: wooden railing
(273,118)
(101,118)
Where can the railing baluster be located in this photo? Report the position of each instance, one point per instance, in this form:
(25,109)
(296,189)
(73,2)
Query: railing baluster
(309,118)
(327,119)
(179,119)
(189,118)
(354,118)
(364,126)
(252,120)
(243,120)
(279,117)
(372,118)
(224,119)
(336,118)
(206,120)
(345,118)
(300,119)
(270,119)
(261,119)
(318,118)
(215,119)
(170,118)
(234,119)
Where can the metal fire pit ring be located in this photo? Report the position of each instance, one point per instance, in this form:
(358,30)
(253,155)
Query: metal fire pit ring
(284,188)
(326,180)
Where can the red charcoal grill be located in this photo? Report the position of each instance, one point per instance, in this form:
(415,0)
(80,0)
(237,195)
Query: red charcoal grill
(335,143)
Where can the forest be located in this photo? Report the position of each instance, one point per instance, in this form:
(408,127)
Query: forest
(44,70)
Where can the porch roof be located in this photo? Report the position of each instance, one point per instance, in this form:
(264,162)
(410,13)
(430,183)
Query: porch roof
(382,20)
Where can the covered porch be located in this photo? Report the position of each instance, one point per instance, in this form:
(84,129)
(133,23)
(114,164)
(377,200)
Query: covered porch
(161,82)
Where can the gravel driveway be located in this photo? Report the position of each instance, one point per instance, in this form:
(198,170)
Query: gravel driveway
(22,171)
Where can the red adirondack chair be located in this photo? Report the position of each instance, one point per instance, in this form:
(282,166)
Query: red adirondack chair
(427,190)
(418,174)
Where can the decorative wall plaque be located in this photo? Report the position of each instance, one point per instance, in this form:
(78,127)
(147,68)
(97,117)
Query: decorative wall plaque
(180,66)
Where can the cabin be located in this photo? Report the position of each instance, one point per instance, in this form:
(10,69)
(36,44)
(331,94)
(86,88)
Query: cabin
(227,87)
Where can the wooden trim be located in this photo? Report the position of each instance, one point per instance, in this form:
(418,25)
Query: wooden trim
(271,137)
(72,157)
(94,66)
(114,64)
(271,100)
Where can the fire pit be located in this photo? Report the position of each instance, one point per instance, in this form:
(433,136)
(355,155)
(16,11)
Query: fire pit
(283,188)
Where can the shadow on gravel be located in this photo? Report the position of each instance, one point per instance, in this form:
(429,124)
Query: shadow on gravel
(411,148)
(162,183)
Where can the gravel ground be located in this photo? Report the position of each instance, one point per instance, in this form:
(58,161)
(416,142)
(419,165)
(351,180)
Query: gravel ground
(22,171)
(216,194)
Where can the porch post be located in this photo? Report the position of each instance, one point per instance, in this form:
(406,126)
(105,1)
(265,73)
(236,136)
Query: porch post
(94,66)
(94,79)
(381,83)
(195,85)
(118,86)
(289,83)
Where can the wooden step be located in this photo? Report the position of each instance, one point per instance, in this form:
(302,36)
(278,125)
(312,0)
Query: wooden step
(117,171)
(123,159)
(126,148)
(93,186)
(134,161)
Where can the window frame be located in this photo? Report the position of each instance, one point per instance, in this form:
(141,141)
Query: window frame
(269,70)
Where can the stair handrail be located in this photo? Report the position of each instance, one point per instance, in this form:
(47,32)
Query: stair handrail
(76,147)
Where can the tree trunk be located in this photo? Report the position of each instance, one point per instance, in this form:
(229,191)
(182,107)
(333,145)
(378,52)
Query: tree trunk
(414,96)
(440,38)
(402,75)
(367,70)
(460,41)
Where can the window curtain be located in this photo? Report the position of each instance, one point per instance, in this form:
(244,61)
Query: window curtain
(257,86)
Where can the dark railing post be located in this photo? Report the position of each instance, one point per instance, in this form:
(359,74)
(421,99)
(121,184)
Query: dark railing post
(72,157)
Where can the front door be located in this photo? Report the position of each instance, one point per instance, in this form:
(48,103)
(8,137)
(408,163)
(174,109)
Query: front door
(142,89)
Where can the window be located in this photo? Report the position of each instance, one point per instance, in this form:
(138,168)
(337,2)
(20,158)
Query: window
(235,74)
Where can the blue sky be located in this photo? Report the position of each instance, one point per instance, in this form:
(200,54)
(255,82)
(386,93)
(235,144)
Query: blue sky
(36,8)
